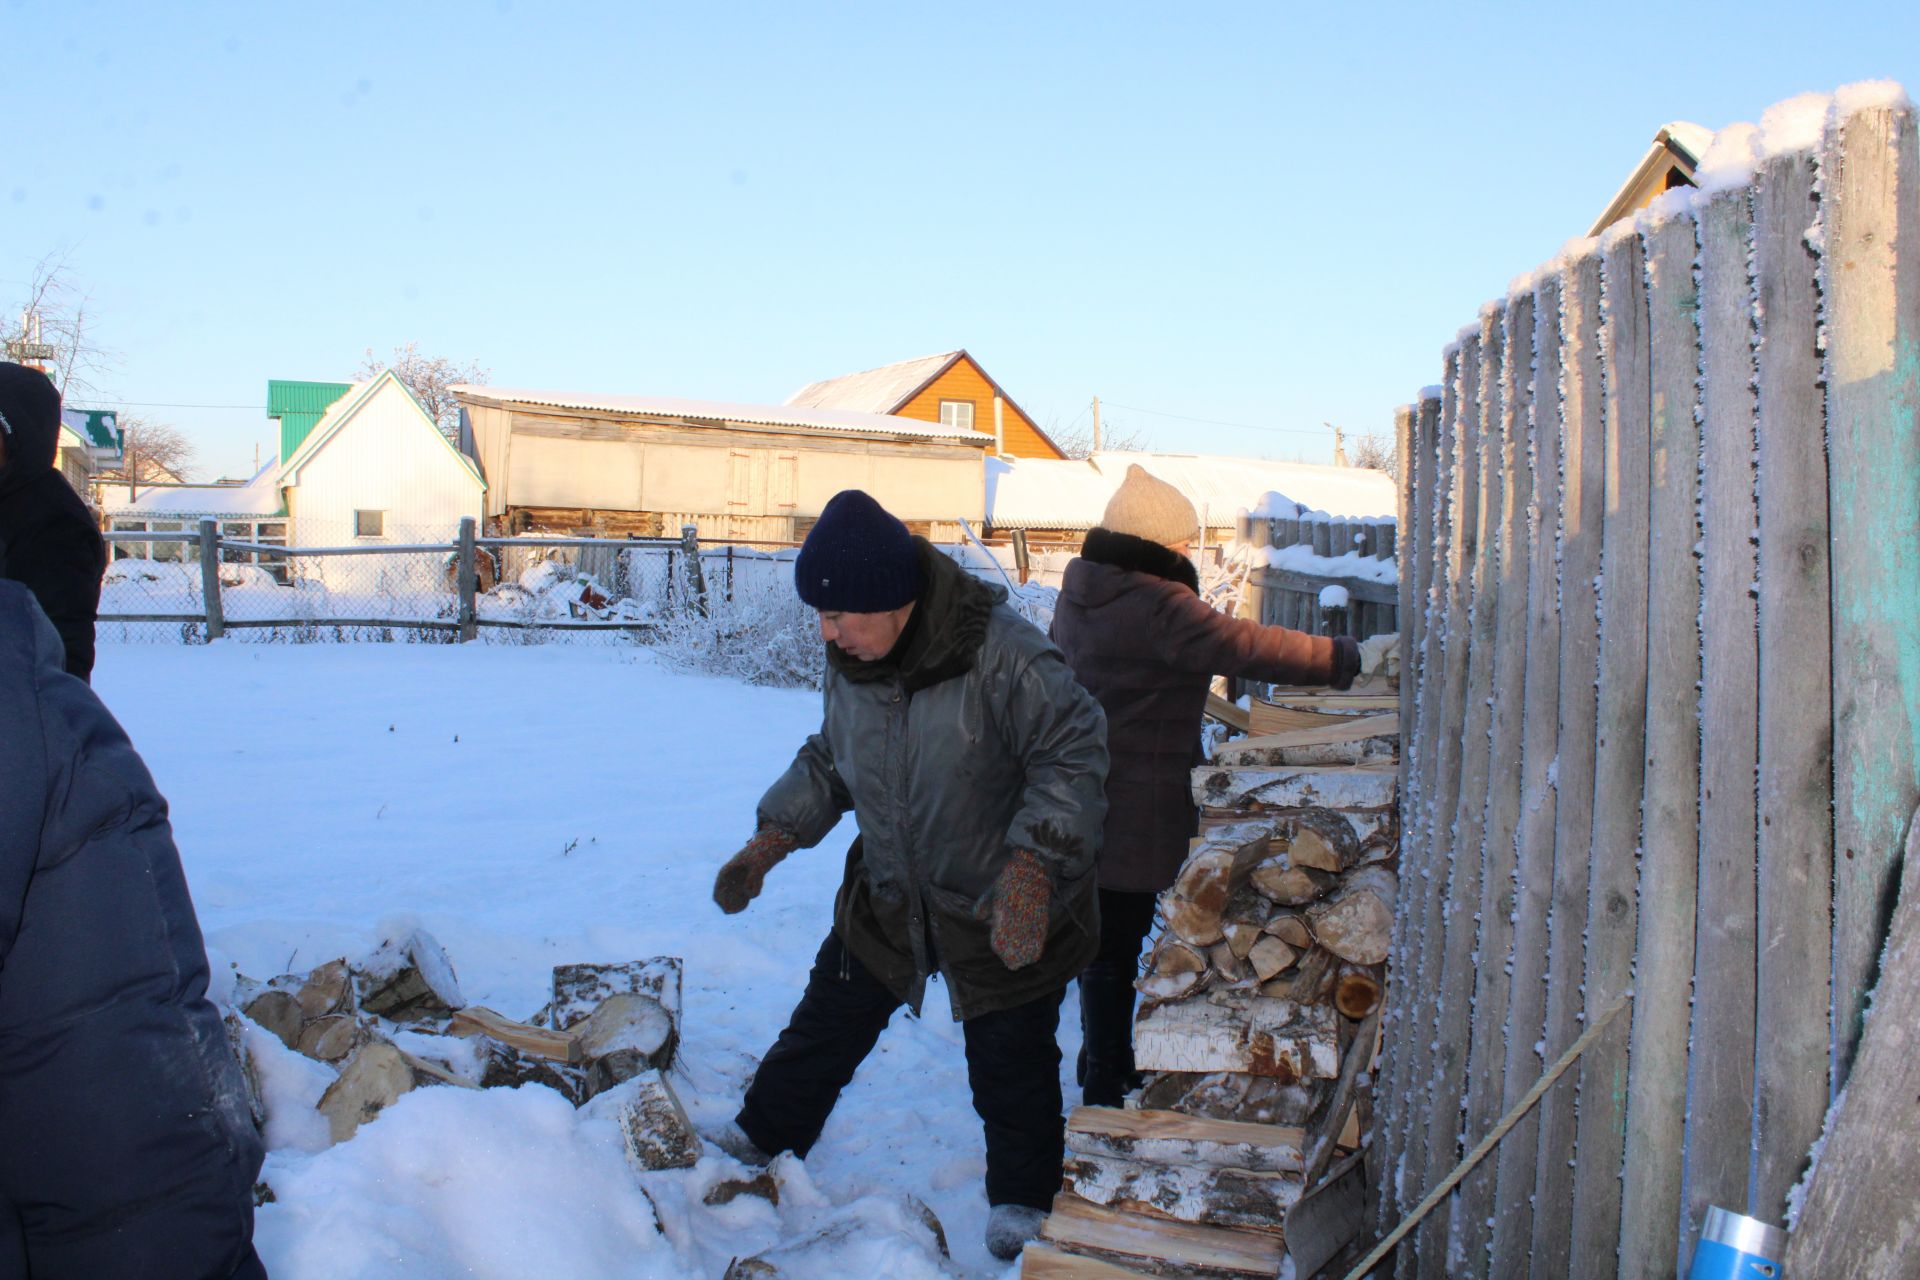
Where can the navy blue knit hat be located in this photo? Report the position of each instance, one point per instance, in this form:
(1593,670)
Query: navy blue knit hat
(857,559)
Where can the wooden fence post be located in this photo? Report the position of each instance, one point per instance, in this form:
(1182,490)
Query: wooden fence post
(1443,797)
(467,574)
(696,579)
(1492,956)
(1620,756)
(1533,839)
(210,579)
(1669,842)
(1453,1001)
(1720,1081)
(1794,879)
(1871,289)
(1583,482)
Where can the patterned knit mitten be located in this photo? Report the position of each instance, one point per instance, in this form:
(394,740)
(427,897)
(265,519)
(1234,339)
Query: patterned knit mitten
(740,879)
(1021,898)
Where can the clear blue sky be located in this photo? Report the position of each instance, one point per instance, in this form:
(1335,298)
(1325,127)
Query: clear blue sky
(1264,214)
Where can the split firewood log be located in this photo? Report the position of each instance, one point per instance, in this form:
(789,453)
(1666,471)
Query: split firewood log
(627,1035)
(1160,1247)
(541,1042)
(1267,1038)
(326,990)
(376,1076)
(1280,881)
(1356,921)
(332,1037)
(278,1010)
(1218,865)
(1236,1198)
(1231,1095)
(1270,955)
(1309,982)
(1321,839)
(1289,924)
(654,1126)
(1363,740)
(1174,970)
(1357,990)
(1169,1138)
(506,1067)
(1292,787)
(578,989)
(1226,966)
(237,1041)
(408,979)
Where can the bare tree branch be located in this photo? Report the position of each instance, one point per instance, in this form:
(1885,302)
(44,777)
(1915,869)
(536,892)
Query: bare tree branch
(154,453)
(1077,442)
(1376,453)
(55,298)
(429,379)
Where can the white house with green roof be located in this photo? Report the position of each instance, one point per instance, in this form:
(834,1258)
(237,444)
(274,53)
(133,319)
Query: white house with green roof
(360,464)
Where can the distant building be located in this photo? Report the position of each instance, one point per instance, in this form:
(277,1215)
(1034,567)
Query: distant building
(950,388)
(616,466)
(89,443)
(1671,161)
(359,464)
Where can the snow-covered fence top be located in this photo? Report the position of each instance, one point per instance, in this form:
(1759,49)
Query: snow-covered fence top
(1663,699)
(1296,555)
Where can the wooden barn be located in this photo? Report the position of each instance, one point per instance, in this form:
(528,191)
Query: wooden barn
(646,466)
(950,388)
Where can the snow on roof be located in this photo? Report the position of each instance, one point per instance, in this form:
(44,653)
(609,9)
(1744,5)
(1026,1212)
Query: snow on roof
(1694,139)
(719,411)
(259,496)
(879,390)
(1041,493)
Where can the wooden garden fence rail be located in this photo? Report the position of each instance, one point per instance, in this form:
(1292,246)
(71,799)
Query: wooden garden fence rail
(1661,684)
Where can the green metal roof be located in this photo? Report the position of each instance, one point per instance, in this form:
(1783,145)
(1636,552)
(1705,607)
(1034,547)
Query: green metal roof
(300,406)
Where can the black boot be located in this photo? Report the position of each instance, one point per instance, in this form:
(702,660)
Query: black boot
(1106,1028)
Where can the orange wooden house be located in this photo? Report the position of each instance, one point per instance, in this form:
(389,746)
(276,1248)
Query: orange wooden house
(950,388)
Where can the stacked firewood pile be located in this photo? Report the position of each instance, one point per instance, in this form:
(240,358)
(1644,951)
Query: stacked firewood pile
(1258,1014)
(394,1021)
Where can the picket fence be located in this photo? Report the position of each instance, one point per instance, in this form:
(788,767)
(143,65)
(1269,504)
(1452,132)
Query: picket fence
(1662,693)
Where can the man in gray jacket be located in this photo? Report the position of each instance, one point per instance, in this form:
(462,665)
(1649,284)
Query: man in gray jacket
(976,768)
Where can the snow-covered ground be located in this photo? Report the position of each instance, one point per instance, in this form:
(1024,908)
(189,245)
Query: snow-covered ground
(532,806)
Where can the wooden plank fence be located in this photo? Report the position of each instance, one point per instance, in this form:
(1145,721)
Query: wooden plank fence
(1290,597)
(1661,691)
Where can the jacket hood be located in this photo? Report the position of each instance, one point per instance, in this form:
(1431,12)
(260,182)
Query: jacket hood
(31,407)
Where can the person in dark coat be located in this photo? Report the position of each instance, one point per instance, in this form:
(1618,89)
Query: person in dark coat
(976,769)
(126,1145)
(1134,629)
(47,537)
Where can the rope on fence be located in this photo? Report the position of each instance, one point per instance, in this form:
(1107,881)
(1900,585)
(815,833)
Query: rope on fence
(1492,1140)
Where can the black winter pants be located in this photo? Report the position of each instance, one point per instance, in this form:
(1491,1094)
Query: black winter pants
(1013,1064)
(1106,998)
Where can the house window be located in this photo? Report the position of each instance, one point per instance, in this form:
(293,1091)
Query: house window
(957,414)
(369,524)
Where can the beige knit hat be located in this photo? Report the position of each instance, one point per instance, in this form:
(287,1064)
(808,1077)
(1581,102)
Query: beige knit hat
(1148,507)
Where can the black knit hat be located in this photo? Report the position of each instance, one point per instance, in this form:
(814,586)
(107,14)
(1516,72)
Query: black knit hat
(30,408)
(857,559)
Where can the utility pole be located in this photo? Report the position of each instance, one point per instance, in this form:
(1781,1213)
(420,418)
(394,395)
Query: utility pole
(1339,445)
(1096,424)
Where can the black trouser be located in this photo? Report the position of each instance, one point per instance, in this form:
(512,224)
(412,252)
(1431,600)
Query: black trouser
(1013,1064)
(1106,998)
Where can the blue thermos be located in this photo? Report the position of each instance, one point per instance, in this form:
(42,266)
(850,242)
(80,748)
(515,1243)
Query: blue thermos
(1735,1247)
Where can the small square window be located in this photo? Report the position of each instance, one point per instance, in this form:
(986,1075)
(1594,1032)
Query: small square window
(957,414)
(369,524)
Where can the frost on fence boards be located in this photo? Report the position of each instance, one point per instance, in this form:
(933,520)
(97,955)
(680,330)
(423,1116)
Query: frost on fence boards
(1618,532)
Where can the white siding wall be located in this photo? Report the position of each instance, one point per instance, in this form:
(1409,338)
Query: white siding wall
(383,458)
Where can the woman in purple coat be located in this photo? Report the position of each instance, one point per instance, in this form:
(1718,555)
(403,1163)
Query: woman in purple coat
(1138,636)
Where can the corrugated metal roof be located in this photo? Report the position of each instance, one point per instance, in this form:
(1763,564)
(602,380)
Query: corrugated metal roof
(719,412)
(879,390)
(1040,493)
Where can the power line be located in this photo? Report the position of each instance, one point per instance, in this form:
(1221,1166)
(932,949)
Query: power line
(1216,422)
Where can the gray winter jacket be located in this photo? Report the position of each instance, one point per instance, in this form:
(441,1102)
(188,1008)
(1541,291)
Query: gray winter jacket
(971,741)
